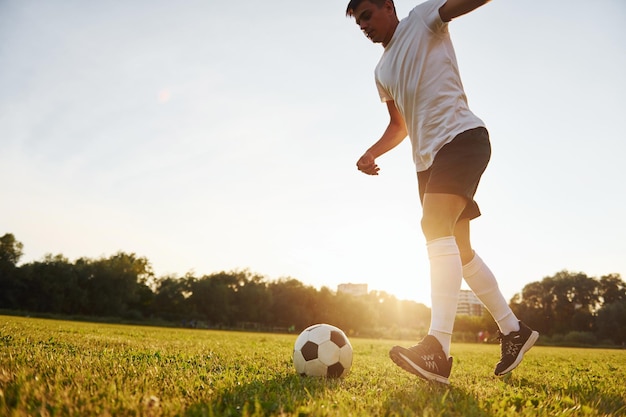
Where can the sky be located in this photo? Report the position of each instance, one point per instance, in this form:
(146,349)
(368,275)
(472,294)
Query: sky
(214,136)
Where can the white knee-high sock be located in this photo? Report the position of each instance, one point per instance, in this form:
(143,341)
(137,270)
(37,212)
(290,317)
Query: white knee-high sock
(483,283)
(446,274)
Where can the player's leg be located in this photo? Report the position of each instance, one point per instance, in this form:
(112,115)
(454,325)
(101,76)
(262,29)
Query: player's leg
(440,215)
(463,241)
(516,338)
(482,281)
(430,359)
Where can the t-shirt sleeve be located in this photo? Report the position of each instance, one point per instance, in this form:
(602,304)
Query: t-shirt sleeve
(382,92)
(428,12)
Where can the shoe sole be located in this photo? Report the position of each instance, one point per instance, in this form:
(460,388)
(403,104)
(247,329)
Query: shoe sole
(405,363)
(529,343)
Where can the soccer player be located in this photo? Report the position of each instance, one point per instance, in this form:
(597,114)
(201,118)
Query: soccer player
(418,79)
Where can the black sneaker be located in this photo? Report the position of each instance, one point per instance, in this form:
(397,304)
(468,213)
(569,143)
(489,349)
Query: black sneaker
(426,360)
(513,346)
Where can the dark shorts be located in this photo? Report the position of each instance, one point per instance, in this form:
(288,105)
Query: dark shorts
(457,169)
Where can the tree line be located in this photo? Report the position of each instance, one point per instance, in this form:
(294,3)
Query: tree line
(575,306)
(124,286)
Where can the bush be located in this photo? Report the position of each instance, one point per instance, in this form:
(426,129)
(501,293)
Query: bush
(557,339)
(580,338)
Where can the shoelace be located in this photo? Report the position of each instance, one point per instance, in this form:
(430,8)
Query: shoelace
(508,347)
(420,349)
(423,348)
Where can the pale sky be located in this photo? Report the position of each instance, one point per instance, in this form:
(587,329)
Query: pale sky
(213,135)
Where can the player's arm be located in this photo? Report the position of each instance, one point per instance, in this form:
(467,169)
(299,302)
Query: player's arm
(393,136)
(456,8)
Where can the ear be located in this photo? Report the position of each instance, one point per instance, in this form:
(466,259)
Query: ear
(389,7)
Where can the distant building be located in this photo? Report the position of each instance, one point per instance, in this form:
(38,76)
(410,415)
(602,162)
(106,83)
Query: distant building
(469,304)
(352,289)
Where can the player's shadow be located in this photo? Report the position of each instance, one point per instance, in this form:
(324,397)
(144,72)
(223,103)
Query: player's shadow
(264,397)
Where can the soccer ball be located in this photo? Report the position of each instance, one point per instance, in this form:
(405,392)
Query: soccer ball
(322,350)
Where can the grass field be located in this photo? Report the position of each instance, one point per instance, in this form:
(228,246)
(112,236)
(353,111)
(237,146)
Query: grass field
(50,367)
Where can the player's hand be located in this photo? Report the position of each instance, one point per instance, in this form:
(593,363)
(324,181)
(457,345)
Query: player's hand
(367,164)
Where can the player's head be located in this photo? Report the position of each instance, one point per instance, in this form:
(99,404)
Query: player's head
(354,4)
(376,18)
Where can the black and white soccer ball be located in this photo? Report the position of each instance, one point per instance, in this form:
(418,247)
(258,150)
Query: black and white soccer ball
(322,350)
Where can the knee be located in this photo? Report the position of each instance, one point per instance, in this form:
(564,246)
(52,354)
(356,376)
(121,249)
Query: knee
(436,226)
(440,214)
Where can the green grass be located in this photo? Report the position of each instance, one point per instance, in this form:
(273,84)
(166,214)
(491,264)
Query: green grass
(50,367)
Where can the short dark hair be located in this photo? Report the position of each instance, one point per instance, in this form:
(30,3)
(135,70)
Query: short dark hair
(356,3)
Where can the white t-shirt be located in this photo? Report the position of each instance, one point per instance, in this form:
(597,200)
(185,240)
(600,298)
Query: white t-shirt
(419,72)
